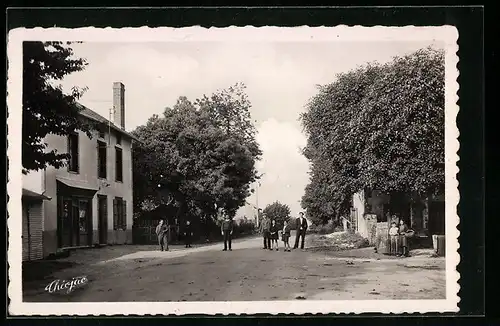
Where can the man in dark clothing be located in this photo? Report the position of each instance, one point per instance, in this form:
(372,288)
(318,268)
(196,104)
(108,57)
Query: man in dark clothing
(227,232)
(162,234)
(188,233)
(300,231)
(266,233)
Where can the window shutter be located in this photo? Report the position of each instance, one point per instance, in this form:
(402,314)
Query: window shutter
(98,159)
(77,150)
(115,214)
(68,149)
(124,215)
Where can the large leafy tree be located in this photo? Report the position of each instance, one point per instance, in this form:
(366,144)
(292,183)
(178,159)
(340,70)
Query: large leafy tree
(229,109)
(46,108)
(278,212)
(378,127)
(187,157)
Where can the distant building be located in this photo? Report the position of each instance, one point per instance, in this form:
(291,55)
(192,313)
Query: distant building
(92,196)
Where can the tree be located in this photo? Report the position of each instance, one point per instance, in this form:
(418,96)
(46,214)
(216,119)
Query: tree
(379,127)
(404,149)
(229,109)
(189,155)
(278,212)
(46,108)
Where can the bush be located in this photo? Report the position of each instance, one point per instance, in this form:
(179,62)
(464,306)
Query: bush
(244,227)
(327,228)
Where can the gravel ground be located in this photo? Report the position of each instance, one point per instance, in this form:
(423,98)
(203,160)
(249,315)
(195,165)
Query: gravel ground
(125,273)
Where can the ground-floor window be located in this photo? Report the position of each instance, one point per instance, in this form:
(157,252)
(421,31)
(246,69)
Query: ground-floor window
(119,214)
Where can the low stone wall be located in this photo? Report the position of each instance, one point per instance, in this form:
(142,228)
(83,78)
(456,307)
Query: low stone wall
(382,238)
(371,226)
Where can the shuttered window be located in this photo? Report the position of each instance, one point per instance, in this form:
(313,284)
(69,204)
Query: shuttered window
(102,159)
(119,164)
(119,214)
(73,151)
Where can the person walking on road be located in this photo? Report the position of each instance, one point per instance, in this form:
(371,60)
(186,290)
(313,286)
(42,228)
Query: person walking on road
(274,235)
(300,231)
(188,234)
(227,232)
(162,234)
(285,235)
(265,229)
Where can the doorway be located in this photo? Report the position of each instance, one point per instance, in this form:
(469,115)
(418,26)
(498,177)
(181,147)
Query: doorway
(103,218)
(75,219)
(437,217)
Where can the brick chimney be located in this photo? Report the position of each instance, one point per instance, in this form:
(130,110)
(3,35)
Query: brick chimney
(119,104)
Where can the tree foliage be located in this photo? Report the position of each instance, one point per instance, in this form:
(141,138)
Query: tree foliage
(379,127)
(188,155)
(46,108)
(278,212)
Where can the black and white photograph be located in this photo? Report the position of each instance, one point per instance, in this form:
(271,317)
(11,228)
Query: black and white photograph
(233,170)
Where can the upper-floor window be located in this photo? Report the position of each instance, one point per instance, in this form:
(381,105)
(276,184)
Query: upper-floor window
(119,164)
(102,133)
(73,151)
(102,159)
(118,138)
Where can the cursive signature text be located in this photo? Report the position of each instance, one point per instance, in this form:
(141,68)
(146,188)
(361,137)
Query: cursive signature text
(68,285)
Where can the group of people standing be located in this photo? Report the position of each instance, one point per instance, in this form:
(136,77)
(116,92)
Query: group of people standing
(269,228)
(270,232)
(398,239)
(162,232)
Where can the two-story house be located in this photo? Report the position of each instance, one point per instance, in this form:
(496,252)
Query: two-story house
(91,197)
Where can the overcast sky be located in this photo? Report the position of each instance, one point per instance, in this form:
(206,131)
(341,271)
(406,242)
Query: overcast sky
(280,78)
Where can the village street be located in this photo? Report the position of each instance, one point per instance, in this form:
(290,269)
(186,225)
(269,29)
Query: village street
(247,273)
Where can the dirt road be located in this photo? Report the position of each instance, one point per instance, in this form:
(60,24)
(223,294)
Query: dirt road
(247,273)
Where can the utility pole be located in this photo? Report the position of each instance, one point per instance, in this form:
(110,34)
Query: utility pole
(257,203)
(112,110)
(257,199)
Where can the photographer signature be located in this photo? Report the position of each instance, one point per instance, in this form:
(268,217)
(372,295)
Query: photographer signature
(67,285)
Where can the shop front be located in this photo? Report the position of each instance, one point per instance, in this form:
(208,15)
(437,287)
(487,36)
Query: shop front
(74,222)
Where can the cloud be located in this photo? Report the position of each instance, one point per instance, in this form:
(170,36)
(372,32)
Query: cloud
(161,70)
(283,164)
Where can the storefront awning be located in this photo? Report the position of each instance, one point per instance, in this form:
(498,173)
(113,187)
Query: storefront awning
(75,187)
(31,195)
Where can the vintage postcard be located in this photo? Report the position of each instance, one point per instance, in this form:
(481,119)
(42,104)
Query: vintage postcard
(235,170)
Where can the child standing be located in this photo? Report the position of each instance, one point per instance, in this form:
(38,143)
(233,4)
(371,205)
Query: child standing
(188,234)
(274,235)
(393,239)
(286,236)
